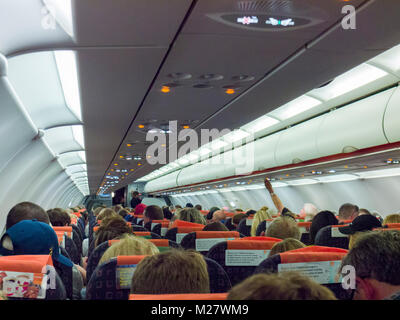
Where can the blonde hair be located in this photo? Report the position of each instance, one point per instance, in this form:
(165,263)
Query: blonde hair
(286,245)
(391,218)
(191,215)
(280,286)
(283,228)
(129,245)
(106,213)
(353,238)
(263,214)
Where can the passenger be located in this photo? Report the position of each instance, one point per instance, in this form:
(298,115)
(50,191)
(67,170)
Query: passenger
(140,208)
(275,199)
(215,226)
(237,218)
(286,245)
(211,212)
(218,216)
(280,286)
(251,212)
(359,225)
(32,237)
(283,228)
(152,213)
(135,199)
(322,219)
(178,206)
(171,272)
(376,260)
(347,211)
(117,208)
(26,211)
(112,228)
(167,213)
(391,218)
(106,213)
(190,215)
(129,246)
(58,217)
(364,211)
(189,205)
(308,212)
(123,213)
(261,215)
(198,207)
(238,210)
(97,210)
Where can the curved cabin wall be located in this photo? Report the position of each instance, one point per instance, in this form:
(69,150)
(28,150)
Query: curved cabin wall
(362,124)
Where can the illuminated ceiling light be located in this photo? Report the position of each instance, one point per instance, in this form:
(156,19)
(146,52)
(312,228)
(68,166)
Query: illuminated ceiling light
(236,136)
(139,164)
(204,151)
(62,13)
(165,89)
(193,157)
(115,164)
(183,161)
(141,126)
(332,171)
(338,178)
(260,124)
(301,182)
(132,169)
(129,145)
(121,157)
(349,81)
(230,91)
(365,167)
(186,127)
(68,74)
(128,158)
(295,107)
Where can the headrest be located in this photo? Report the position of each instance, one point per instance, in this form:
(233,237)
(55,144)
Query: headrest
(262,239)
(217,234)
(182,296)
(142,233)
(67,230)
(393,225)
(181,223)
(189,229)
(164,223)
(250,245)
(25,263)
(313,254)
(160,242)
(129,260)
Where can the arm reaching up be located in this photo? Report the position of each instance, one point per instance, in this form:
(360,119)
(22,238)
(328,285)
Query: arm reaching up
(277,202)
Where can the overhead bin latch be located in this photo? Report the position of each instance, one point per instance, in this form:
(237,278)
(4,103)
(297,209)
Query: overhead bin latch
(40,135)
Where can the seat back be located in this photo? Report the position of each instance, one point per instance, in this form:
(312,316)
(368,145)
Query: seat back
(219,279)
(240,258)
(305,232)
(30,277)
(202,241)
(112,280)
(94,259)
(69,246)
(73,234)
(330,236)
(146,234)
(244,226)
(319,263)
(229,225)
(181,296)
(178,233)
(159,227)
(393,225)
(262,227)
(136,227)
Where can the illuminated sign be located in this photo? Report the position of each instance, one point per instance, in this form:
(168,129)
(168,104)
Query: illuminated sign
(247,20)
(277,22)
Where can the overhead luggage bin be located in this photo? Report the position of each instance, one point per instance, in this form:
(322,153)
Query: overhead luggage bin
(392,116)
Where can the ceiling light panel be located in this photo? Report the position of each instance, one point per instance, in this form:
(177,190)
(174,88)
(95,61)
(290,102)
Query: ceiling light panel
(295,107)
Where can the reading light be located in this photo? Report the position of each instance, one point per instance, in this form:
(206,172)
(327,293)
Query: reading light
(230,91)
(141,126)
(165,89)
(129,145)
(186,127)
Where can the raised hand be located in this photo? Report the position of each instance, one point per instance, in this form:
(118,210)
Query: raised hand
(268,185)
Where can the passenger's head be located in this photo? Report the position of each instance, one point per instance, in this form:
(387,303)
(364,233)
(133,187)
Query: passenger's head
(106,213)
(139,209)
(129,245)
(123,213)
(263,214)
(322,219)
(309,211)
(189,205)
(211,212)
(112,228)
(117,208)
(348,211)
(153,213)
(286,245)
(178,206)
(218,216)
(392,218)
(97,210)
(251,212)
(237,218)
(171,272)
(167,213)
(280,286)
(283,228)
(191,215)
(26,211)
(215,226)
(58,217)
(375,257)
(361,224)
(198,207)
(135,194)
(364,211)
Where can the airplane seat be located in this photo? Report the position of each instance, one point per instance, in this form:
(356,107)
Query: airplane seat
(219,280)
(324,261)
(229,225)
(146,234)
(110,280)
(330,236)
(244,228)
(178,233)
(136,227)
(239,258)
(202,241)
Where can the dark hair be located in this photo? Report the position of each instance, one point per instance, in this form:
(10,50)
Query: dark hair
(167,213)
(26,211)
(251,212)
(135,193)
(322,219)
(376,255)
(215,226)
(211,212)
(58,217)
(238,217)
(112,228)
(154,213)
(189,205)
(198,207)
